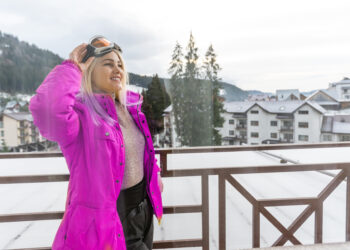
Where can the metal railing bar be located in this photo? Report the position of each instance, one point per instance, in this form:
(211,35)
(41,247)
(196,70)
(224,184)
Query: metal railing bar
(33,178)
(31,216)
(287,201)
(205,212)
(311,208)
(263,210)
(177,243)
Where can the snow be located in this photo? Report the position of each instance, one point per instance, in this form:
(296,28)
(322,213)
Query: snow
(40,197)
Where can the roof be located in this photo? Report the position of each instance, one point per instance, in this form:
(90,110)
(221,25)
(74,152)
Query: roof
(10,104)
(338,124)
(168,109)
(287,92)
(280,106)
(238,107)
(20,116)
(345,80)
(330,93)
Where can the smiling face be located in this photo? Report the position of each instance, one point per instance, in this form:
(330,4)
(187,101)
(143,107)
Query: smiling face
(107,74)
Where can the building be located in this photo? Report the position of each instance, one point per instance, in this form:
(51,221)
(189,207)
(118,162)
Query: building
(17,128)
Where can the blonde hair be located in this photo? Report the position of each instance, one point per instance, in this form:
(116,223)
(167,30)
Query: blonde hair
(87,95)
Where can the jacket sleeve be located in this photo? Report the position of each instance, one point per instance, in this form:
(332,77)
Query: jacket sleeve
(52,105)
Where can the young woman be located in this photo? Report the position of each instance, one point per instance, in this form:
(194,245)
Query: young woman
(115,185)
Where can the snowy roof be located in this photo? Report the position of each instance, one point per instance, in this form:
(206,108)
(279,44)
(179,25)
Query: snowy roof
(345,80)
(20,116)
(282,94)
(11,104)
(317,106)
(280,106)
(238,107)
(168,109)
(341,127)
(329,92)
(339,124)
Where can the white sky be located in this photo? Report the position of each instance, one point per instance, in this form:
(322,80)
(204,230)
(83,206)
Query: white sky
(264,45)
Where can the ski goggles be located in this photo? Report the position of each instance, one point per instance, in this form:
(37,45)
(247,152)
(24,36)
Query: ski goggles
(99,46)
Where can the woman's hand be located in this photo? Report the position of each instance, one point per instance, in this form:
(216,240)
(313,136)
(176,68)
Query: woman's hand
(77,56)
(160,183)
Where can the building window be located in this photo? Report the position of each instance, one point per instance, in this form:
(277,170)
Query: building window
(327,137)
(254,111)
(273,135)
(231,121)
(303,112)
(2,133)
(1,124)
(254,123)
(273,123)
(232,132)
(254,134)
(303,138)
(345,138)
(303,124)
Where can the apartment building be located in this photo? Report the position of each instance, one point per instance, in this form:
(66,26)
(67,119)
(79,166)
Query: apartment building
(17,128)
(272,122)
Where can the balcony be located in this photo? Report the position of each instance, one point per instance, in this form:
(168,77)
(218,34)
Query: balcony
(287,128)
(241,126)
(240,137)
(229,179)
(287,140)
(237,115)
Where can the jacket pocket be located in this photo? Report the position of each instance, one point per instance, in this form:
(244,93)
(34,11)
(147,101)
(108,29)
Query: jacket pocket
(79,224)
(105,133)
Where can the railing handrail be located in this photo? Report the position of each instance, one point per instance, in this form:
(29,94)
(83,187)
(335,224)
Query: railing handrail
(201,149)
(224,174)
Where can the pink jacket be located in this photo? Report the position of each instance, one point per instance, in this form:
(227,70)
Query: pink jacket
(95,157)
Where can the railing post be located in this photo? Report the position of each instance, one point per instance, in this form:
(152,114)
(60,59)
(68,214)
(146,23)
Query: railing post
(256,226)
(347,231)
(205,212)
(222,212)
(163,161)
(319,223)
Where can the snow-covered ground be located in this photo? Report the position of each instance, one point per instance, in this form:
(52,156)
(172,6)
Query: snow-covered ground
(40,197)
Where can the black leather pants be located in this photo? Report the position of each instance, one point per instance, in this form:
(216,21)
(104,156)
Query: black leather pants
(136,214)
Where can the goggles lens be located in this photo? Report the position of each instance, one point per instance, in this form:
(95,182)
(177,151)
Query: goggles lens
(100,42)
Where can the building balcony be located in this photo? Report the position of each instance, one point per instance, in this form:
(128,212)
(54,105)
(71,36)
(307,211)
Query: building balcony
(241,126)
(287,140)
(287,128)
(240,116)
(285,117)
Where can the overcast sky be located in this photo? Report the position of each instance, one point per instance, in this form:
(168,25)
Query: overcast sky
(261,44)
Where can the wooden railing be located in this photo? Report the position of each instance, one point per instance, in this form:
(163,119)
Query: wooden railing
(314,204)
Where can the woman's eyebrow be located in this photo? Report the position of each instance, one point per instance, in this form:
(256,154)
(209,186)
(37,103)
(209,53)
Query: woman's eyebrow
(109,59)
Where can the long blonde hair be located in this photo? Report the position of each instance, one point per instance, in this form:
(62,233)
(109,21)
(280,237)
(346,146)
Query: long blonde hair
(87,95)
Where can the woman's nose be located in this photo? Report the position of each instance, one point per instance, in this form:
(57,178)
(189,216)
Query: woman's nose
(116,69)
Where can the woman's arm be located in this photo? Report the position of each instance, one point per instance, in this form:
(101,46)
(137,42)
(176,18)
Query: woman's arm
(52,105)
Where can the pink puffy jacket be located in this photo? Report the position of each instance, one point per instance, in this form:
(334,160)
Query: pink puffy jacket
(95,157)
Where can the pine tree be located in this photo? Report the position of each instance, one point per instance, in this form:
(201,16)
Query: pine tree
(211,69)
(191,103)
(176,91)
(155,100)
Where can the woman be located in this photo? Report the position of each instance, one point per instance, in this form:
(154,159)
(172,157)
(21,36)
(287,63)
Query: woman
(115,185)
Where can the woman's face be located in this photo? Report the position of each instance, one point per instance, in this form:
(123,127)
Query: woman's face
(107,74)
